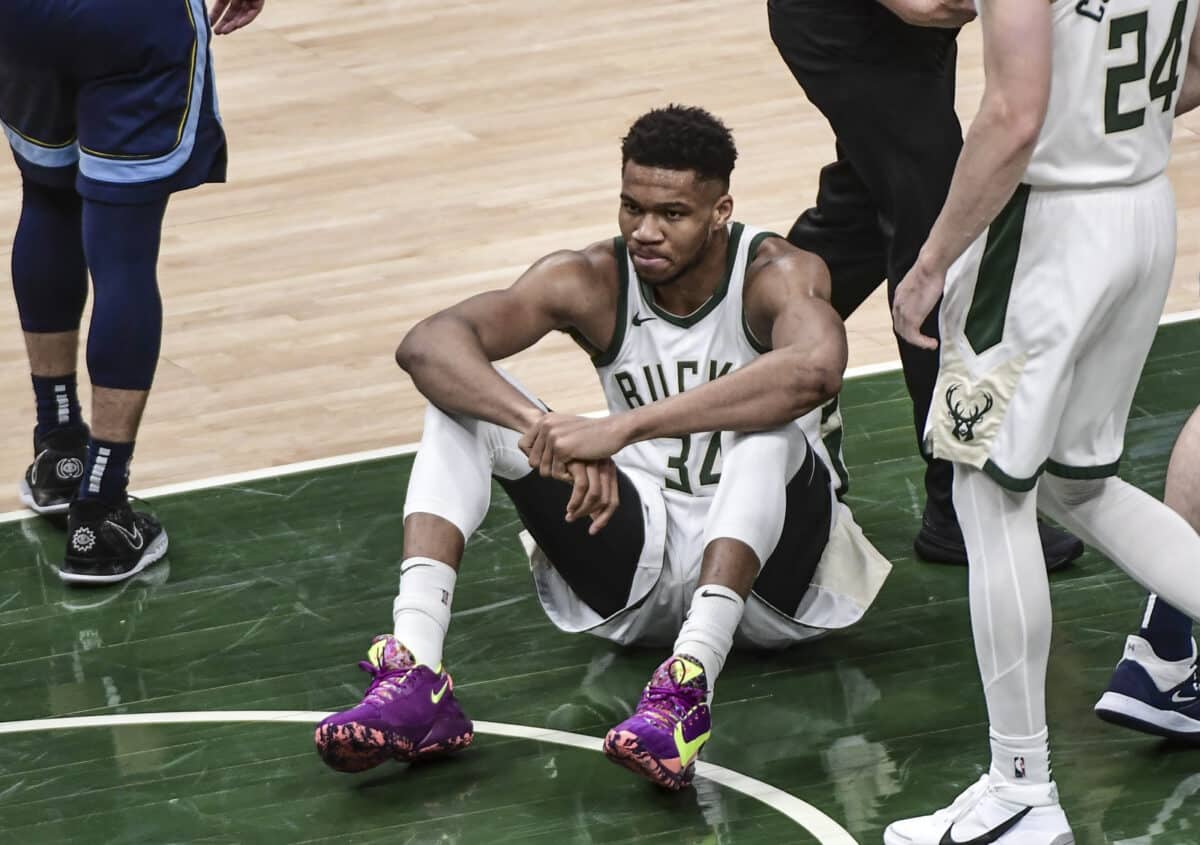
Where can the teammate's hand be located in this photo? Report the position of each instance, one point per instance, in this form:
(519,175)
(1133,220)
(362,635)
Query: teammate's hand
(564,438)
(594,493)
(916,296)
(940,13)
(227,16)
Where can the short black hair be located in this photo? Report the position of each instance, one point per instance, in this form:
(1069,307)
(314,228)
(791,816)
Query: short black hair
(681,138)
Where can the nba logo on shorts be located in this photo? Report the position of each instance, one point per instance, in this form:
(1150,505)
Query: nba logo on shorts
(1019,766)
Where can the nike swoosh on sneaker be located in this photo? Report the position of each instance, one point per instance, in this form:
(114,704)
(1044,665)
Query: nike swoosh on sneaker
(436,697)
(688,750)
(136,540)
(33,467)
(987,837)
(1182,699)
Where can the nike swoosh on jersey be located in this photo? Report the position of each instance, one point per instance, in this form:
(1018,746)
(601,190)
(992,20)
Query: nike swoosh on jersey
(135,539)
(987,837)
(638,319)
(435,697)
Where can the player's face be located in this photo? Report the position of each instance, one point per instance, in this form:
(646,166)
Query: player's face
(668,218)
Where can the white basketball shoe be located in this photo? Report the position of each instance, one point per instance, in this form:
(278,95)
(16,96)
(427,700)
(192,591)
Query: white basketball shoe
(986,814)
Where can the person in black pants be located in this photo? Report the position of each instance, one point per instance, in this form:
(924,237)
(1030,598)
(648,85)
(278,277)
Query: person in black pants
(882,72)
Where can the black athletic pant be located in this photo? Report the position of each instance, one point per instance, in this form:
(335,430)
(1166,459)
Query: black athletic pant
(600,568)
(887,90)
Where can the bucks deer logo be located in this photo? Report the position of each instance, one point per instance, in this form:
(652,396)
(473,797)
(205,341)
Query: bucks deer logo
(965,420)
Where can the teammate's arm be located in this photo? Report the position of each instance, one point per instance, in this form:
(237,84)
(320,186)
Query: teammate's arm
(449,355)
(941,13)
(1016,59)
(226,16)
(787,303)
(1189,94)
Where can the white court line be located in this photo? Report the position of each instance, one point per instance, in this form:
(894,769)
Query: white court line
(409,448)
(824,829)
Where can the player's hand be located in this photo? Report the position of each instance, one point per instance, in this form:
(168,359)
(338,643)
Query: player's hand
(564,438)
(916,296)
(593,493)
(226,16)
(940,13)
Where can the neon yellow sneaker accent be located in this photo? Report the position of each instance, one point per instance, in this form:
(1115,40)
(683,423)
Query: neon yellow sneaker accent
(683,670)
(435,697)
(688,750)
(375,653)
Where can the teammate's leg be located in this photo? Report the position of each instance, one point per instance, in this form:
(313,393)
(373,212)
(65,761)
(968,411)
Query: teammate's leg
(49,275)
(1154,687)
(1168,631)
(1162,555)
(1147,692)
(1010,621)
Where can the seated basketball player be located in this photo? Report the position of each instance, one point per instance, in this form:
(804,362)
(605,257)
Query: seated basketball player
(700,510)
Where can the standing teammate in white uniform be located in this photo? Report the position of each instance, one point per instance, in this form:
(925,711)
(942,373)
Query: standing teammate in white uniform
(1056,246)
(712,514)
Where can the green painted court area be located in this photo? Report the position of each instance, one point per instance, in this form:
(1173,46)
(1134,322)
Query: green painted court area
(273,590)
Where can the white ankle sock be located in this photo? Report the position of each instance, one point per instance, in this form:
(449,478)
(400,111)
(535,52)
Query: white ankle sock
(421,611)
(1020,761)
(707,633)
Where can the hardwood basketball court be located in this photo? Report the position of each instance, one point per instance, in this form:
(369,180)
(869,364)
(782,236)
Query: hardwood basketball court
(388,158)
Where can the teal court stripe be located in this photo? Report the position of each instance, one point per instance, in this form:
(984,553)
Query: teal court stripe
(410,448)
(824,829)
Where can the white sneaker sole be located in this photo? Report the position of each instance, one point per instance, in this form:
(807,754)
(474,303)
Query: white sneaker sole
(1138,715)
(1015,837)
(152,553)
(26,497)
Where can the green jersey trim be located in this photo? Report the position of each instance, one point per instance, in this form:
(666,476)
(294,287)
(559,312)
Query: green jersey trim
(735,236)
(1008,482)
(1067,471)
(756,344)
(621,254)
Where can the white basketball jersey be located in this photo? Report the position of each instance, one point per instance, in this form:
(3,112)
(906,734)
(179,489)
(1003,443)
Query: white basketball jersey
(1117,69)
(655,354)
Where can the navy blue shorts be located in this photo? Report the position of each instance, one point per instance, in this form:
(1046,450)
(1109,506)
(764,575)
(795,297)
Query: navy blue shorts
(114,97)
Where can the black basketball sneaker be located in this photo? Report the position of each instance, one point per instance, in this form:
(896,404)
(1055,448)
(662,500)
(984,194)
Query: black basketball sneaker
(53,477)
(109,542)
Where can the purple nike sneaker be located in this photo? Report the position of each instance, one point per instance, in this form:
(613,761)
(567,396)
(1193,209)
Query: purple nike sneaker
(409,713)
(663,737)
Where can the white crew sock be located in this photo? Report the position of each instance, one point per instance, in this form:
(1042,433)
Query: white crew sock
(421,611)
(707,633)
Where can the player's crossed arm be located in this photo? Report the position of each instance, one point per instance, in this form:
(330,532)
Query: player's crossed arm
(786,301)
(449,357)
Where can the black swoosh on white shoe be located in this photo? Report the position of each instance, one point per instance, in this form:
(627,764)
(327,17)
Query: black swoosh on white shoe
(987,837)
